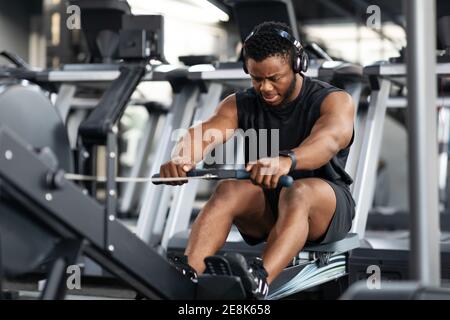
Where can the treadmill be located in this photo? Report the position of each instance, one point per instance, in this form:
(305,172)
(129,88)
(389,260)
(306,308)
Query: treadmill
(390,249)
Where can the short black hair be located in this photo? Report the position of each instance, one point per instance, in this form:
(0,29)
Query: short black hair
(266,43)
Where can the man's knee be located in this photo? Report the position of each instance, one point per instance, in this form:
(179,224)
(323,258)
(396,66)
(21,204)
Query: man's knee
(296,196)
(228,189)
(236,196)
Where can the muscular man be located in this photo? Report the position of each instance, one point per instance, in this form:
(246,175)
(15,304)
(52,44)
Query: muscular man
(315,123)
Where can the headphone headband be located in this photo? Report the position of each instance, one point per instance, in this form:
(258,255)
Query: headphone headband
(300,61)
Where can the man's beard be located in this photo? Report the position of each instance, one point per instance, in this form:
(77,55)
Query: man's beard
(286,96)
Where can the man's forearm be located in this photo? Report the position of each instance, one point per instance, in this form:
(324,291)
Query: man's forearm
(195,144)
(190,147)
(313,153)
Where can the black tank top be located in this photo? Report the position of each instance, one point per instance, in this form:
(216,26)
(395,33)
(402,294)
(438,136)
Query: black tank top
(294,121)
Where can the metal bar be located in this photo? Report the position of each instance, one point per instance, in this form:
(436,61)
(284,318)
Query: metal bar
(106,76)
(399,69)
(64,100)
(54,287)
(402,102)
(82,76)
(95,128)
(443,139)
(364,187)
(111,185)
(361,122)
(292,19)
(129,196)
(352,159)
(160,217)
(423,186)
(234,74)
(80,177)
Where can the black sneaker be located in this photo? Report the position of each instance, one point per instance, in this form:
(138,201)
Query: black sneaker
(181,264)
(252,274)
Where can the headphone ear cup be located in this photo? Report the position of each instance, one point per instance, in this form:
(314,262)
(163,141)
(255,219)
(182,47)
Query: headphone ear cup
(297,64)
(304,61)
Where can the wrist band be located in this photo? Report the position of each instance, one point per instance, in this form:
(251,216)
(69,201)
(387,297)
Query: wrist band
(290,154)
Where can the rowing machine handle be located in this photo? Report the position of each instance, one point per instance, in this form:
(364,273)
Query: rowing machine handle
(241,174)
(284,181)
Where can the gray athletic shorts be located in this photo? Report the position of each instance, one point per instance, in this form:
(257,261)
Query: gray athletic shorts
(340,224)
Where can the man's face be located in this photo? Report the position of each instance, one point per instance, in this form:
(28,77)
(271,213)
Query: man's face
(273,79)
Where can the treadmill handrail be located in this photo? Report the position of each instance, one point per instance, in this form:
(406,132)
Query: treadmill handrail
(101,120)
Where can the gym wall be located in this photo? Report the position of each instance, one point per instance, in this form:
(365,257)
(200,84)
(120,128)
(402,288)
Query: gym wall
(15,26)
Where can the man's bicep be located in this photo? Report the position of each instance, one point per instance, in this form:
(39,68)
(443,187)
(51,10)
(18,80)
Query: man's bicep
(336,119)
(225,118)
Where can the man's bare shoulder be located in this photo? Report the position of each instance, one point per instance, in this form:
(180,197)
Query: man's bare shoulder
(227,107)
(338,102)
(225,116)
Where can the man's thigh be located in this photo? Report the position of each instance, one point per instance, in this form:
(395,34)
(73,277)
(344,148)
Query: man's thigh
(313,197)
(247,205)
